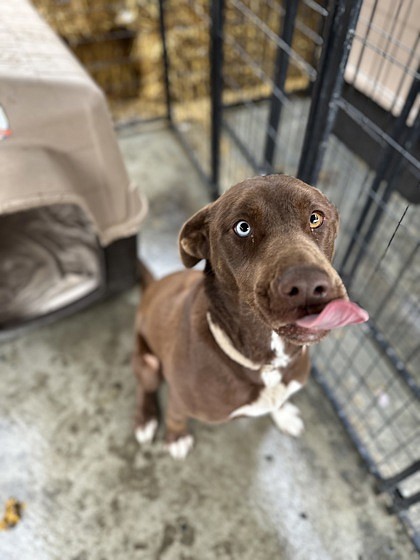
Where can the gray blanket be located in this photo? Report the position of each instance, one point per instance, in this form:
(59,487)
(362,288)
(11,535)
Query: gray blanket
(49,257)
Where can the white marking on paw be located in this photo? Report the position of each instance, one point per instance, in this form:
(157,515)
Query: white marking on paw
(146,433)
(180,448)
(288,420)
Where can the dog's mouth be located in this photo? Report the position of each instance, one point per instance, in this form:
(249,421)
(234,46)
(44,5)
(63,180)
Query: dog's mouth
(309,323)
(337,313)
(313,327)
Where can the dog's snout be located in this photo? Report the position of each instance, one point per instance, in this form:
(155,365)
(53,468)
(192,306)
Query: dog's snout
(303,286)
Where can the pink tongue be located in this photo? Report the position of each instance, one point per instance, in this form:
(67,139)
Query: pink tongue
(337,313)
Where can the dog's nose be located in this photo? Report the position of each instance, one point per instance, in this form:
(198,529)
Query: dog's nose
(303,286)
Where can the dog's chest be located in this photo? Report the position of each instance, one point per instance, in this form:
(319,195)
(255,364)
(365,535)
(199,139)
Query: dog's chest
(275,393)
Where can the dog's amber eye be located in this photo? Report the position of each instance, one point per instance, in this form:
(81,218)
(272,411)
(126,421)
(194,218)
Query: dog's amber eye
(242,228)
(316,220)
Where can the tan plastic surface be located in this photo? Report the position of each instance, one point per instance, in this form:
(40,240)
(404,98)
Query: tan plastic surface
(61,147)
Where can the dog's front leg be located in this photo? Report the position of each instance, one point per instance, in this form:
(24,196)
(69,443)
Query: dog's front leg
(178,439)
(146,368)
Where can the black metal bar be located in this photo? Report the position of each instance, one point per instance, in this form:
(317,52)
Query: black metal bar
(415,535)
(396,507)
(216,81)
(387,169)
(165,57)
(279,79)
(120,265)
(401,503)
(396,363)
(359,125)
(193,157)
(390,483)
(246,154)
(342,19)
(265,28)
(385,44)
(381,307)
(364,46)
(361,118)
(349,275)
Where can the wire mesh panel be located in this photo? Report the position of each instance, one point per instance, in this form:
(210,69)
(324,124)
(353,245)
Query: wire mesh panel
(384,57)
(346,120)
(225,92)
(372,374)
(187,30)
(276,62)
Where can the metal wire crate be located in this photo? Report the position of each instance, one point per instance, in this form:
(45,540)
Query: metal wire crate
(352,128)
(327,90)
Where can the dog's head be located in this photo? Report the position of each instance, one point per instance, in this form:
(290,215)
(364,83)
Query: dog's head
(270,240)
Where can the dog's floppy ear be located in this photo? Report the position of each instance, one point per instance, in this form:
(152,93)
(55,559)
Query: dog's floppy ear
(193,239)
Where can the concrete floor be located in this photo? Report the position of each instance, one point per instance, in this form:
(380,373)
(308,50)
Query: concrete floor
(246,492)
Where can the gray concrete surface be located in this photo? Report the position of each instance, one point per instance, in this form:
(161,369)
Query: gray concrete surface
(246,492)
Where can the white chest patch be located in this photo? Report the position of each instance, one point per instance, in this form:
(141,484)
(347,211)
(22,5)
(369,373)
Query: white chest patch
(269,400)
(275,393)
(281,359)
(270,374)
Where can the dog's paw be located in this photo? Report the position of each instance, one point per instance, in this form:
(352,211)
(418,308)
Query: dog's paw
(288,420)
(180,448)
(146,433)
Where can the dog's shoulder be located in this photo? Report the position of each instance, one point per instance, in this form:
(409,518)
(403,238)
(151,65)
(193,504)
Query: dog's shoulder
(171,286)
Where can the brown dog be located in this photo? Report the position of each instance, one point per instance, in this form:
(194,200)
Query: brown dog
(232,341)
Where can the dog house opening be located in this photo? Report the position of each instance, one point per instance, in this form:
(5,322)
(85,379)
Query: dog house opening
(49,259)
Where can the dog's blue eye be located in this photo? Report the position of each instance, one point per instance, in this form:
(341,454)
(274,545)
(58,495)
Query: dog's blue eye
(242,228)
